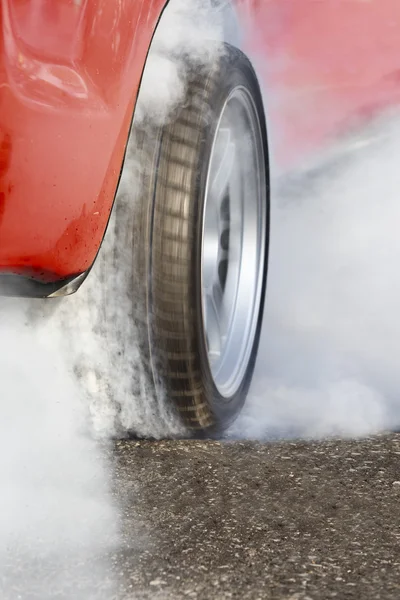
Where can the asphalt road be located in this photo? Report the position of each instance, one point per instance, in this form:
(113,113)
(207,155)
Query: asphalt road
(205,520)
(294,521)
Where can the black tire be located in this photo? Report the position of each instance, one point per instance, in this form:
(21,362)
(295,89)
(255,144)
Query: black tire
(167,240)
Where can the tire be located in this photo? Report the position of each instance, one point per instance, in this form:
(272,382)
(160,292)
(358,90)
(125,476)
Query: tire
(170,305)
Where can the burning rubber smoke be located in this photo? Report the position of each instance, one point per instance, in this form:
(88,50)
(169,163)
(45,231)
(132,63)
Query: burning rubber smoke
(327,362)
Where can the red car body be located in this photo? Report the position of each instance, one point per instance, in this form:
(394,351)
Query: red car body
(70,72)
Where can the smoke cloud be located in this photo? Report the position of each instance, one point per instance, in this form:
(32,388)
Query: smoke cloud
(56,513)
(328,362)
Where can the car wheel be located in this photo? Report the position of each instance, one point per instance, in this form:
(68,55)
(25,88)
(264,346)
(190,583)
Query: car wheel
(201,229)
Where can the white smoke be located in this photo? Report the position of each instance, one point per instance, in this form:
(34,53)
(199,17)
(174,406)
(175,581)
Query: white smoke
(188,35)
(56,513)
(328,362)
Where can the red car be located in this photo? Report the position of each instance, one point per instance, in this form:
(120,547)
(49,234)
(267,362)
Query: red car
(191,216)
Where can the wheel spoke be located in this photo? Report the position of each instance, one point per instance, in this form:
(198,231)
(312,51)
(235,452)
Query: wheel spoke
(212,326)
(225,152)
(211,242)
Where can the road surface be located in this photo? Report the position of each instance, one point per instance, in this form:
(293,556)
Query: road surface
(291,521)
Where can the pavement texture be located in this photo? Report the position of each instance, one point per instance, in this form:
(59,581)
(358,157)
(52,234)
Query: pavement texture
(294,521)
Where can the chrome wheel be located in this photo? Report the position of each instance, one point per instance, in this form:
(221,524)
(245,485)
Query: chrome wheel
(233,243)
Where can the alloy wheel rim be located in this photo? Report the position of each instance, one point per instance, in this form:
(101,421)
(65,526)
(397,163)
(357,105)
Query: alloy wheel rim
(233,241)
